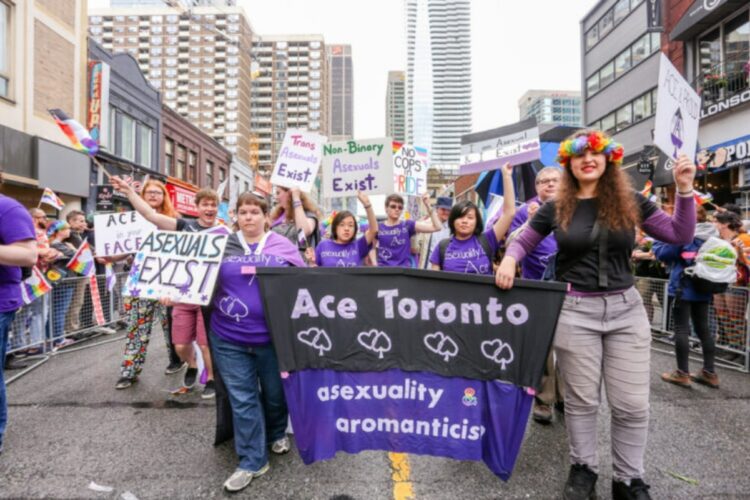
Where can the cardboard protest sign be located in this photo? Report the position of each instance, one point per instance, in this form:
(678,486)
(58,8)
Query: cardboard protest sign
(677,113)
(298,160)
(408,360)
(410,164)
(120,233)
(180,265)
(352,166)
(517,143)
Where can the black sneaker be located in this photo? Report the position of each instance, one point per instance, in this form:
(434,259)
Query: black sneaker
(174,367)
(190,377)
(581,484)
(638,490)
(209,390)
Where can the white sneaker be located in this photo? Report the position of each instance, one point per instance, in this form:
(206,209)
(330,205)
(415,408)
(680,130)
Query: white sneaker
(106,330)
(281,446)
(241,479)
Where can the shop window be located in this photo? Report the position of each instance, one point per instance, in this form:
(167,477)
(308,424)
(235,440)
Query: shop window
(210,173)
(180,170)
(192,165)
(146,137)
(737,46)
(127,138)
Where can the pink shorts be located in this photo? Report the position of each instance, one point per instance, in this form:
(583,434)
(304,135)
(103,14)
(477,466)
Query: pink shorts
(187,325)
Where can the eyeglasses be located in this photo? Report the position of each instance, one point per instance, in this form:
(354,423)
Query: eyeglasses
(153,193)
(551,180)
(396,207)
(40,217)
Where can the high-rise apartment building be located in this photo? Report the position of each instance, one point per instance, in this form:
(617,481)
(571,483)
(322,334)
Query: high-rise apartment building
(557,107)
(438,77)
(340,92)
(198,59)
(289,90)
(395,106)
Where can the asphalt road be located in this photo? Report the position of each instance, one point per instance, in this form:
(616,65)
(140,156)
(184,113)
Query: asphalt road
(69,427)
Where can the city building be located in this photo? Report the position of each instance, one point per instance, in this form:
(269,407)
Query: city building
(290,90)
(713,52)
(620,69)
(198,59)
(340,92)
(395,106)
(125,116)
(161,3)
(556,107)
(191,159)
(42,66)
(438,77)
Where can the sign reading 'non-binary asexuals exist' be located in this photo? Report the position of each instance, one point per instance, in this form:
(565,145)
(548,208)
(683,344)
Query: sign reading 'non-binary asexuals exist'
(407,360)
(361,165)
(298,160)
(120,233)
(179,265)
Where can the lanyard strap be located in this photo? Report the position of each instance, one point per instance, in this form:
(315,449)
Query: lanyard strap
(246,245)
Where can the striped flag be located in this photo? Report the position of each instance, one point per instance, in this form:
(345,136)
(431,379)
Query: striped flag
(50,198)
(110,277)
(34,286)
(83,260)
(702,198)
(77,134)
(647,189)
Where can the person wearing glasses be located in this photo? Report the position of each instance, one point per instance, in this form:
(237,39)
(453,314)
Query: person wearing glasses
(394,234)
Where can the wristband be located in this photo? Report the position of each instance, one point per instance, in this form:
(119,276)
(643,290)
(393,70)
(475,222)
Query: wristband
(367,207)
(686,193)
(297,204)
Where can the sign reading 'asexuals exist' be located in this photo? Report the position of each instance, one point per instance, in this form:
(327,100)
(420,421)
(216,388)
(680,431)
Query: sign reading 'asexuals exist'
(179,265)
(408,360)
(361,165)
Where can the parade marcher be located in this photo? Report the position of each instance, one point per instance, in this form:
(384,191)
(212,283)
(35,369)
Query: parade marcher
(295,212)
(469,250)
(17,249)
(532,267)
(689,304)
(241,343)
(428,241)
(63,293)
(602,332)
(344,249)
(394,235)
(142,313)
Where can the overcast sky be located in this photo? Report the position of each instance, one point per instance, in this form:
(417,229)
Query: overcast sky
(516,46)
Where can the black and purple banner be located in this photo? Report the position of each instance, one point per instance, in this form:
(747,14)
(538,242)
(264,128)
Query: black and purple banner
(408,360)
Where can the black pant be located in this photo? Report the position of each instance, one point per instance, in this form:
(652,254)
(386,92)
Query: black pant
(683,312)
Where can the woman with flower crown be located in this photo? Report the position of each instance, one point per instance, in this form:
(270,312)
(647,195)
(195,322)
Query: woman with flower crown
(603,334)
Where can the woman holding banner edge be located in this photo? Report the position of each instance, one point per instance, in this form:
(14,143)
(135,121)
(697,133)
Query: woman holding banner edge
(603,333)
(469,250)
(394,235)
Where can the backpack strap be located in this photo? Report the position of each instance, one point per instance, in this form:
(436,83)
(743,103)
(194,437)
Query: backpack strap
(486,247)
(442,247)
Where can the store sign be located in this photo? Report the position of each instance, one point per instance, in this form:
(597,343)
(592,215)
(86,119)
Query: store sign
(105,198)
(645,167)
(726,104)
(183,200)
(729,154)
(653,16)
(97,118)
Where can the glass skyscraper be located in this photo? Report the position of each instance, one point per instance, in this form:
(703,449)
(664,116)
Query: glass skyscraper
(438,81)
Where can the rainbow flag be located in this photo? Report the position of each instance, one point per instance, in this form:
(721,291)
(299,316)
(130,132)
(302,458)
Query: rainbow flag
(77,134)
(83,260)
(34,286)
(50,198)
(398,145)
(647,189)
(702,198)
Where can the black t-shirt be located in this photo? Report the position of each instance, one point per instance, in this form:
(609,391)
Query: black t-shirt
(583,276)
(190,226)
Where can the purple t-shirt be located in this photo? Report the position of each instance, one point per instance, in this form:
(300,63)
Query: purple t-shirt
(238,314)
(467,256)
(331,254)
(394,244)
(15,225)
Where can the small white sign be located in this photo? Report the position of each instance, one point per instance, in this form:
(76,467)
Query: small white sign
(120,233)
(410,164)
(361,165)
(298,160)
(180,265)
(677,113)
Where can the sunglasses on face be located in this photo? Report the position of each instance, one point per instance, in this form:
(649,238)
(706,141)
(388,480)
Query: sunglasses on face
(396,207)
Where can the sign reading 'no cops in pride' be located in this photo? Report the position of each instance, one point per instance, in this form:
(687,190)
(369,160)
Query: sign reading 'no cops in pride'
(298,160)
(410,164)
(352,166)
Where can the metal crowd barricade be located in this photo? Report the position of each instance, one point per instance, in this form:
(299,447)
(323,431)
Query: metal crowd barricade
(729,321)
(65,314)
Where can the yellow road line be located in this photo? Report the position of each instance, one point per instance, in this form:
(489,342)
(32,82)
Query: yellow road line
(402,487)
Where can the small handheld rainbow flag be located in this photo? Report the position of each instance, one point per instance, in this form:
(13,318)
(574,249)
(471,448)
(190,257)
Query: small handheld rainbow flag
(50,198)
(77,133)
(647,189)
(702,198)
(83,260)
(34,286)
(110,277)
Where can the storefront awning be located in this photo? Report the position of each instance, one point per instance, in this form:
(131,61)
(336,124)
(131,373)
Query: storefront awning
(702,15)
(182,195)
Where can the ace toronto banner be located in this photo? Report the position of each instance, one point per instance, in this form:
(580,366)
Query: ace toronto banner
(409,360)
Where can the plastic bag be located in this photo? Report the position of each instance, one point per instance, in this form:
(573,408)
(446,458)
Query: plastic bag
(715,262)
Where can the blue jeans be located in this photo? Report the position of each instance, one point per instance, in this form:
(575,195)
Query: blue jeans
(62,294)
(259,416)
(6,318)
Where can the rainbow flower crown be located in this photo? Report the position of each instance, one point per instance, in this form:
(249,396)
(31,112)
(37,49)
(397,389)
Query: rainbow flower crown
(596,142)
